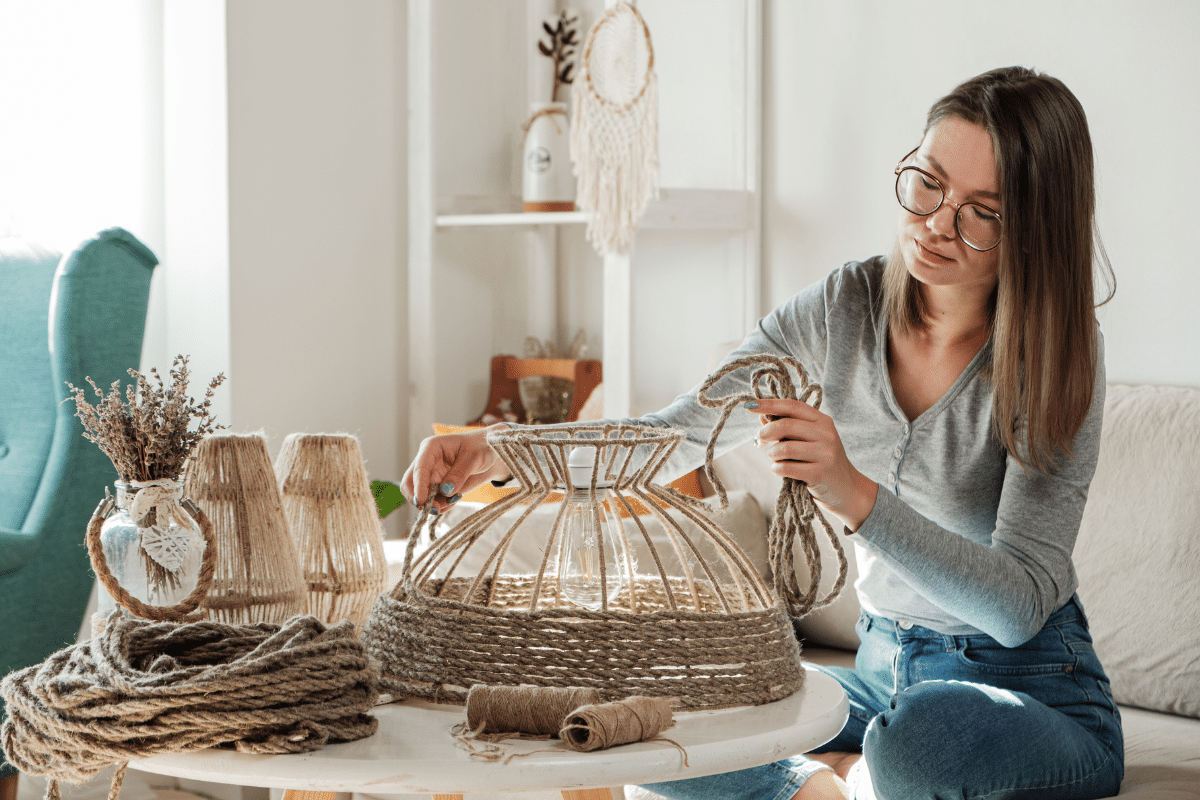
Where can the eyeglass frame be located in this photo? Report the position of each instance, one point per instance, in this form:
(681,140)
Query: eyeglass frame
(957,208)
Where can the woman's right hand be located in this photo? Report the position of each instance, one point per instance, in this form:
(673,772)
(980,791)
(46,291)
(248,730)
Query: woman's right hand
(450,465)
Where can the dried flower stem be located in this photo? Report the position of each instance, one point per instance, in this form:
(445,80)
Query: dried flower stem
(147,434)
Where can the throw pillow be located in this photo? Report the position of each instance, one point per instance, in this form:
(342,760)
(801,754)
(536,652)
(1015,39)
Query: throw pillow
(1137,553)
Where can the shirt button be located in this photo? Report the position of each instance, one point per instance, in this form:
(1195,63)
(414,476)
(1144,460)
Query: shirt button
(906,625)
(897,452)
(906,430)
(892,477)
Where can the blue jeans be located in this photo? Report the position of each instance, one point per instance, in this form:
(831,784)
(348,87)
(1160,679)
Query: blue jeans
(940,716)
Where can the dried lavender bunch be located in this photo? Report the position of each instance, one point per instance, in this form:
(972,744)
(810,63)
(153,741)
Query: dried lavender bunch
(147,434)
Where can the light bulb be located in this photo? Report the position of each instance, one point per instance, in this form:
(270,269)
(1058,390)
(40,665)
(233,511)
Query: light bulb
(592,561)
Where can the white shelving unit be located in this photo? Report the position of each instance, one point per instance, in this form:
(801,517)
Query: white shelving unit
(434,216)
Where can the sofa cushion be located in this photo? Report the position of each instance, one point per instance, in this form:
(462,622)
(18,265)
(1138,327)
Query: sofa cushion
(1161,756)
(1138,549)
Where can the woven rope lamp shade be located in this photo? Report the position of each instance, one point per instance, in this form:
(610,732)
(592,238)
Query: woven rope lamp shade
(691,621)
(333,518)
(258,575)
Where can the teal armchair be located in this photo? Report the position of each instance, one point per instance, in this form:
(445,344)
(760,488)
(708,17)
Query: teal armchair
(93,306)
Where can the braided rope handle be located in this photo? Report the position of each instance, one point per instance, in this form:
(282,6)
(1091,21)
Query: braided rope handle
(795,510)
(175,613)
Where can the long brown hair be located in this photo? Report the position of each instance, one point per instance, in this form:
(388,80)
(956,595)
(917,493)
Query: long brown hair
(1044,333)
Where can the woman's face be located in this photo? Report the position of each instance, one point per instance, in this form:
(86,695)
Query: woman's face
(959,154)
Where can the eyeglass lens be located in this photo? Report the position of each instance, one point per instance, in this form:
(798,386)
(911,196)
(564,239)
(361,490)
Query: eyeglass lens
(920,194)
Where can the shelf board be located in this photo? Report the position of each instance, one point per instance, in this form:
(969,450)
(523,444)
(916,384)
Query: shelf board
(510,219)
(680,209)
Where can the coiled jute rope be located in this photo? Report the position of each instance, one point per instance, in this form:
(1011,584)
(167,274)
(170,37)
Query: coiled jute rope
(796,515)
(141,688)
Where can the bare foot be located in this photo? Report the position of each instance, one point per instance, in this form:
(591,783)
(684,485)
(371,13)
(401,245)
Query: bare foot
(841,762)
(823,785)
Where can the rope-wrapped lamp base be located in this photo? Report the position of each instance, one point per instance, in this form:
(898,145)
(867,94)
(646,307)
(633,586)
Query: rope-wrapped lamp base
(437,648)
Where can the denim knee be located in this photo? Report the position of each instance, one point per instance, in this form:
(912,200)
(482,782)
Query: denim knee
(920,747)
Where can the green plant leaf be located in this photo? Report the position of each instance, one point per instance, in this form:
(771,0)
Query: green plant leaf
(388,497)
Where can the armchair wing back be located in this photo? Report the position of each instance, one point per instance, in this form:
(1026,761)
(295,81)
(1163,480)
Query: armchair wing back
(60,321)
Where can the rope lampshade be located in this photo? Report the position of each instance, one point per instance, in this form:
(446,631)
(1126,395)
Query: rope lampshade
(333,518)
(258,575)
(680,613)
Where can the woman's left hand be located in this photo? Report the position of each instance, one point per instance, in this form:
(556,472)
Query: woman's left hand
(804,444)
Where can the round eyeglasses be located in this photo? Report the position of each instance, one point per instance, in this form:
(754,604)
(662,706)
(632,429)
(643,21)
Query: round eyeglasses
(922,194)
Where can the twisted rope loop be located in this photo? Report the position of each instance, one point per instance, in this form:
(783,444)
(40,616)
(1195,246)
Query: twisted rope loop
(178,612)
(796,512)
(140,689)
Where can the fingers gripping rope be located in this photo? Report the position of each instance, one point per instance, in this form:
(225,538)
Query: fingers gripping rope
(796,513)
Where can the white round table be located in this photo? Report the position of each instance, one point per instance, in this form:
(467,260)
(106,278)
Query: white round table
(414,752)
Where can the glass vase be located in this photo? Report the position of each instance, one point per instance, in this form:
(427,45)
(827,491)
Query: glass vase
(156,564)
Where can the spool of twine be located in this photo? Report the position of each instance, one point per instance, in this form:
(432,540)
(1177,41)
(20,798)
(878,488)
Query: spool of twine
(534,710)
(143,688)
(258,577)
(634,719)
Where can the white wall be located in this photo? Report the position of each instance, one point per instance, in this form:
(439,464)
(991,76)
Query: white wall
(311,158)
(316,133)
(847,88)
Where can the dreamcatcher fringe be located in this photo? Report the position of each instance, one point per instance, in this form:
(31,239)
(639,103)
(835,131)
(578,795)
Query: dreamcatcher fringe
(615,153)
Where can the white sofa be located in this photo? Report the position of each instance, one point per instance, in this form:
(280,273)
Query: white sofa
(1138,559)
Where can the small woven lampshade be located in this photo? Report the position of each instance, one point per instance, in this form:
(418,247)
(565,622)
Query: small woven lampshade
(258,576)
(332,515)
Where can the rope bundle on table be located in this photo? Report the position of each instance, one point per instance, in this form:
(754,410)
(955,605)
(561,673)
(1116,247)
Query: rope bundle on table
(796,513)
(142,688)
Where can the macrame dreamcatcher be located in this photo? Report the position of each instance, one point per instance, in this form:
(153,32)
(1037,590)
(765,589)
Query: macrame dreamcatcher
(614,128)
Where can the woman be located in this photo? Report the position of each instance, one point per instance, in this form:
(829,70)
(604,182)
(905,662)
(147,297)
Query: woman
(963,382)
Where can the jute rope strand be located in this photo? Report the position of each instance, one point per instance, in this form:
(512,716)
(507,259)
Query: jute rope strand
(575,715)
(142,688)
(129,602)
(550,113)
(796,512)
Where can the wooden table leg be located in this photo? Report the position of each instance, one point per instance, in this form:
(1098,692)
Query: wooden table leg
(302,794)
(616,793)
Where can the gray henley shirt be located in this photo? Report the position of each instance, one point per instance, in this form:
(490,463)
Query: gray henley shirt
(961,539)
